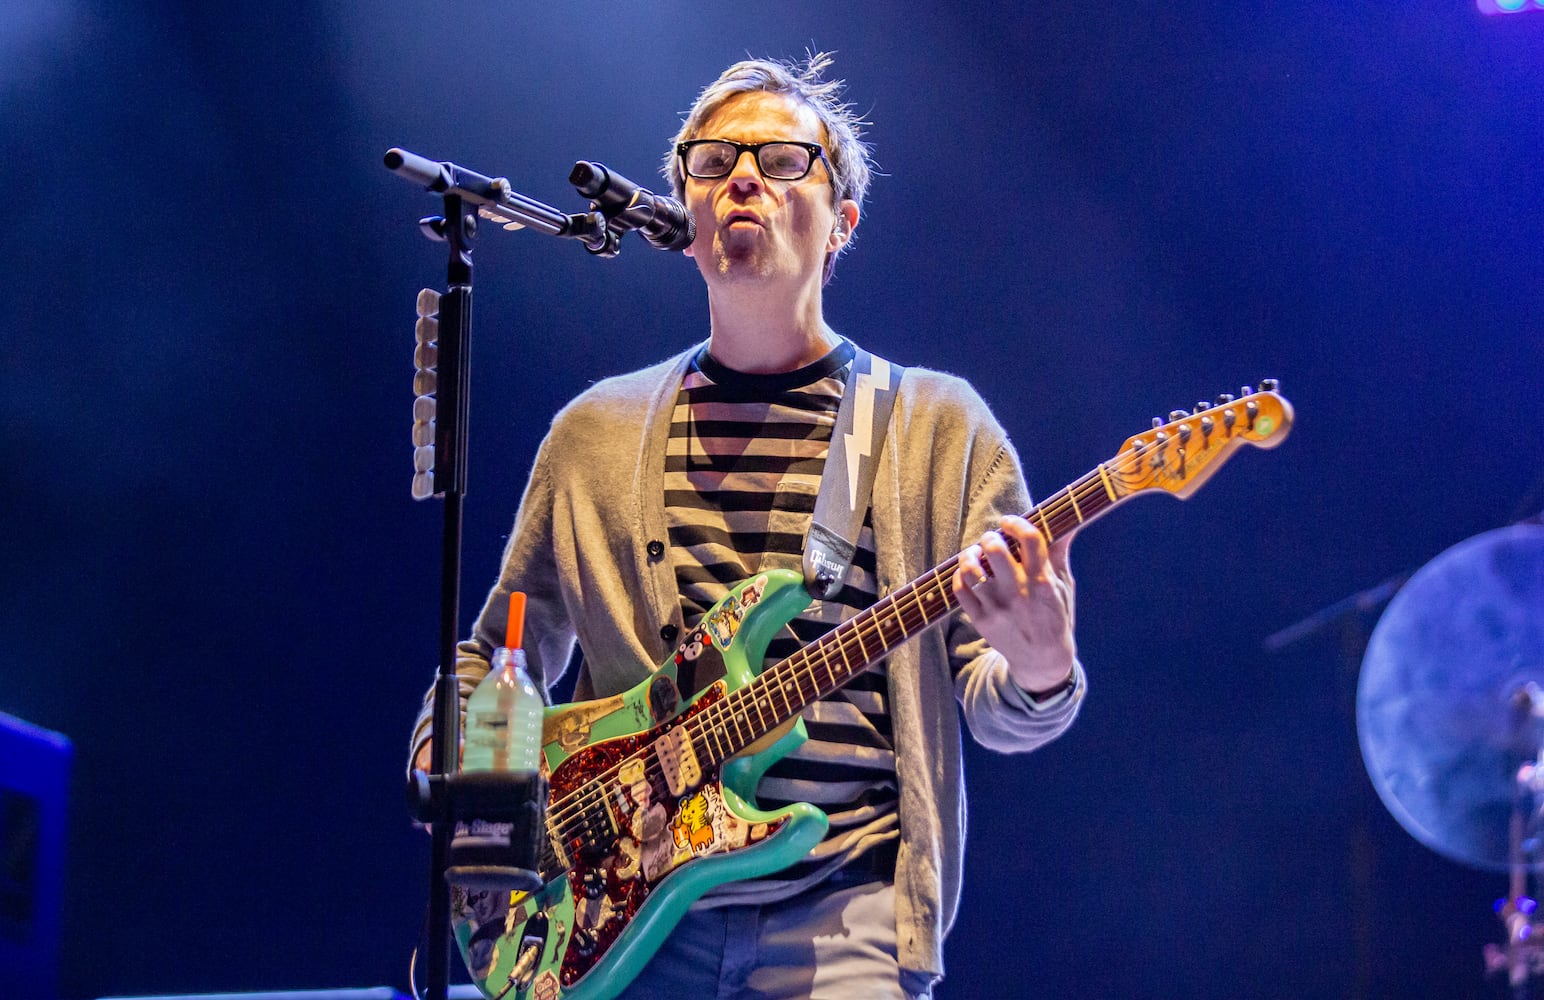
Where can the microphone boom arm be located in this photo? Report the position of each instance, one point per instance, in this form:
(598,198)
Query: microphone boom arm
(494,197)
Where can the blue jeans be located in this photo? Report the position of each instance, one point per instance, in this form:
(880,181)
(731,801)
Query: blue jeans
(836,940)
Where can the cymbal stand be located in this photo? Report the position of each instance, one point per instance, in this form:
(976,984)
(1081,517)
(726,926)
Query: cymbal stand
(1522,956)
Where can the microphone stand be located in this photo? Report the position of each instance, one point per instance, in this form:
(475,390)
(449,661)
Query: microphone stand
(467,196)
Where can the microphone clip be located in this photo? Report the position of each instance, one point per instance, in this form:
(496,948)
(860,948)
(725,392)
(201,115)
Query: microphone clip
(663,221)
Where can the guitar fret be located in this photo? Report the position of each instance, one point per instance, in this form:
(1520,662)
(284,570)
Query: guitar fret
(863,654)
(814,684)
(740,725)
(782,689)
(721,738)
(555,841)
(900,621)
(841,648)
(910,593)
(793,694)
(717,731)
(1104,477)
(761,718)
(1045,525)
(1072,495)
(696,730)
(874,628)
(716,713)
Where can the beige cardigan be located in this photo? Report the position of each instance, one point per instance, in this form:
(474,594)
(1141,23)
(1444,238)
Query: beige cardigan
(580,550)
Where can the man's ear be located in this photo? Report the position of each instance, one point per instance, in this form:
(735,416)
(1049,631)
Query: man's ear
(846,222)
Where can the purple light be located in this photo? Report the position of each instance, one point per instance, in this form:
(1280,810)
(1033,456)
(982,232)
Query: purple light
(1527,905)
(1508,6)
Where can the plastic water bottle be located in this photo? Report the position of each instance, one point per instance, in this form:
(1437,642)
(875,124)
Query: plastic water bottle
(504,714)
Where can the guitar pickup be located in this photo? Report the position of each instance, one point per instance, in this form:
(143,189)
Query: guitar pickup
(678,760)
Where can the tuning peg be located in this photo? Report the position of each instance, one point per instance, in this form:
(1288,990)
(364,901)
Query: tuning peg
(1177,415)
(1245,391)
(1157,422)
(1269,385)
(1202,404)
(1223,399)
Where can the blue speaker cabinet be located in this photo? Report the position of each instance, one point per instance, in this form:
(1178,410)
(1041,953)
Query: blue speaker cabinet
(34,777)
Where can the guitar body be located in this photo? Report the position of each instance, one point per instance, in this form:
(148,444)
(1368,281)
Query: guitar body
(646,823)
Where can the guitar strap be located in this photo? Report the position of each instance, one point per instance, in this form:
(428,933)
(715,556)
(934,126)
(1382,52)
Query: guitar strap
(848,480)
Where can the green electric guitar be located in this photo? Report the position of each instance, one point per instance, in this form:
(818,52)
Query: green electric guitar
(652,798)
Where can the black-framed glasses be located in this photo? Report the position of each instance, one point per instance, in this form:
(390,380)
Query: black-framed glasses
(710,159)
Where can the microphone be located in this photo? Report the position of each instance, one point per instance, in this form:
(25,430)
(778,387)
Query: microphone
(663,221)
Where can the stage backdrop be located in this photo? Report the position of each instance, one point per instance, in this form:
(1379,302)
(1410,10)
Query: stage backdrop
(219,589)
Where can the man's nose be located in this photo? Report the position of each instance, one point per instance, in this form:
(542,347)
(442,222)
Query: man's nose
(746,175)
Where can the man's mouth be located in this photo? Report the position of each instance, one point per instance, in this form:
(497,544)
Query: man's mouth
(740,218)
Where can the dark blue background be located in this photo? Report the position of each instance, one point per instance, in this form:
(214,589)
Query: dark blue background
(220,590)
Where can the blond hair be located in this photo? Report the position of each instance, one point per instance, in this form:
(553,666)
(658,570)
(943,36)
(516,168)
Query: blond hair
(848,156)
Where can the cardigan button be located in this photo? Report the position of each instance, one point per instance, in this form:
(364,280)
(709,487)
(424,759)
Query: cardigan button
(656,548)
(669,633)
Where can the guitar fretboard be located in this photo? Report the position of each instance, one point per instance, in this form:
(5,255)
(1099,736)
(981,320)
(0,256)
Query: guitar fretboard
(781,691)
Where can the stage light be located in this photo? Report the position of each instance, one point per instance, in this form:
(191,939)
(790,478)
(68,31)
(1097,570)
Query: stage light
(1508,6)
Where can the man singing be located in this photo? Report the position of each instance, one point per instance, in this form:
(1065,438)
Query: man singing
(655,493)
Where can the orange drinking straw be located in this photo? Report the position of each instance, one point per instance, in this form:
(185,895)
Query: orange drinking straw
(514,631)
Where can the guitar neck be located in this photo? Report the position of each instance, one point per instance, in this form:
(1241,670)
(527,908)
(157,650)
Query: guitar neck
(784,689)
(1176,457)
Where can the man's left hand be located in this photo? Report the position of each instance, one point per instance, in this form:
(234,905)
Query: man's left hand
(1021,606)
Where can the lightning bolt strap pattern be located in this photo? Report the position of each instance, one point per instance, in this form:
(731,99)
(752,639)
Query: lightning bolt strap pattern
(860,441)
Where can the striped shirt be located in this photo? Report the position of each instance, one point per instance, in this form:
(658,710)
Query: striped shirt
(742,470)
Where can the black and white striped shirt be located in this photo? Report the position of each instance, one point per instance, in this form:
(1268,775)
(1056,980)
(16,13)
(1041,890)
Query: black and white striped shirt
(742,470)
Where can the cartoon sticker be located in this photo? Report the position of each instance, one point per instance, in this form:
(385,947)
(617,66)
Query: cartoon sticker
(694,826)
(545,987)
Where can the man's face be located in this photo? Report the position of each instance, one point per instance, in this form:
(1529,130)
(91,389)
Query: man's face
(750,228)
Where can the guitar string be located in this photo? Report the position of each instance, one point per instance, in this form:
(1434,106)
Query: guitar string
(1089,487)
(582,799)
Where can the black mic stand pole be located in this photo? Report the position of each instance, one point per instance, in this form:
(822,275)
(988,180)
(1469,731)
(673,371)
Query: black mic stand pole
(466,196)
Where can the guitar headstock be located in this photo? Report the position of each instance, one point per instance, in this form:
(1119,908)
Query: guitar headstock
(1180,455)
